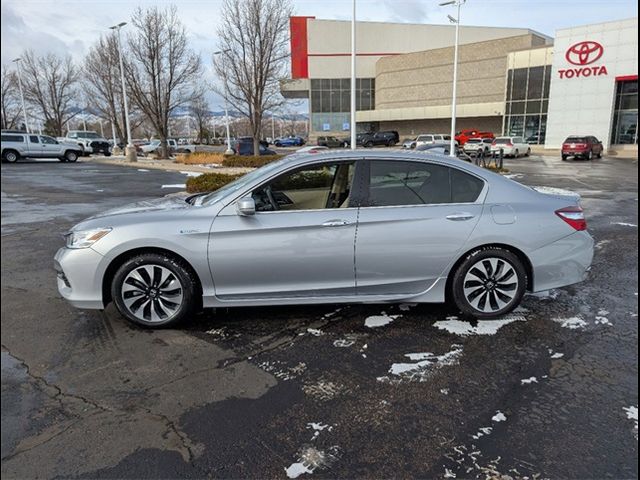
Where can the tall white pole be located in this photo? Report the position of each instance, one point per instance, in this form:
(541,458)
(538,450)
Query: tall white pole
(273,128)
(452,147)
(353,77)
(130,150)
(113,134)
(24,109)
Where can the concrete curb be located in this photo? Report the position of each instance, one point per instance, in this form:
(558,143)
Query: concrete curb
(168,165)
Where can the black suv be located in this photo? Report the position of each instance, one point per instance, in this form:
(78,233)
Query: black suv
(373,139)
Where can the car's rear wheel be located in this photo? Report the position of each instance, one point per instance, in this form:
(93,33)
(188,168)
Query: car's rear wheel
(70,156)
(589,156)
(10,156)
(517,154)
(490,282)
(368,144)
(154,290)
(564,158)
(528,152)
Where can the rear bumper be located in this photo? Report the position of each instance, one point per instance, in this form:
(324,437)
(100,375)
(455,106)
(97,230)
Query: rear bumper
(79,277)
(575,152)
(561,263)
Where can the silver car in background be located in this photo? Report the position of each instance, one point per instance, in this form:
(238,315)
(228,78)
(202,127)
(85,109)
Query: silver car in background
(339,227)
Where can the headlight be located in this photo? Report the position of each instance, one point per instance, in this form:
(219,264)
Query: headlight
(85,238)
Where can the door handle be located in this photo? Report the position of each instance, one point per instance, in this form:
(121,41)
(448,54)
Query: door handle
(460,217)
(336,223)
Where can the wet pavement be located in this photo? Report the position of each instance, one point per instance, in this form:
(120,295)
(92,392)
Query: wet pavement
(317,391)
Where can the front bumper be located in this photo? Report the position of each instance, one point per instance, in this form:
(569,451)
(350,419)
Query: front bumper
(563,262)
(80,276)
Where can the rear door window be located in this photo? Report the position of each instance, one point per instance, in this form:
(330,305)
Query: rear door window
(34,139)
(397,183)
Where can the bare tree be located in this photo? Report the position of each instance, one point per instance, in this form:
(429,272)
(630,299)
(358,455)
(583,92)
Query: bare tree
(10,99)
(101,85)
(50,86)
(161,70)
(199,109)
(254,50)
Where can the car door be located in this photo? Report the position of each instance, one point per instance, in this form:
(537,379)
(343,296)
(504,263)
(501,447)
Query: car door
(34,147)
(415,219)
(50,147)
(299,243)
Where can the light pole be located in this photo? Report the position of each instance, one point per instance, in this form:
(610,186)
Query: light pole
(130,150)
(457,4)
(229,150)
(353,77)
(24,109)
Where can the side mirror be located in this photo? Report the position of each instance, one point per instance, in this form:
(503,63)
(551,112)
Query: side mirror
(246,206)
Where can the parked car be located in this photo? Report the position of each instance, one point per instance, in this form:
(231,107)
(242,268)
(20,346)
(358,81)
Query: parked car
(409,143)
(330,142)
(476,145)
(511,146)
(374,139)
(464,135)
(585,147)
(289,142)
(91,142)
(244,146)
(433,139)
(24,145)
(489,240)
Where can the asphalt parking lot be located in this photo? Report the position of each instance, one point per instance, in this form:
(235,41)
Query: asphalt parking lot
(548,391)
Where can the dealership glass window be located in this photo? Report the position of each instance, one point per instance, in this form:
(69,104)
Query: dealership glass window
(331,101)
(527,102)
(625,116)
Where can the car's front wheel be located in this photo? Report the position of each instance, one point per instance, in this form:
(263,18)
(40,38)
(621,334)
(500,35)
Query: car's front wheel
(154,290)
(70,156)
(490,282)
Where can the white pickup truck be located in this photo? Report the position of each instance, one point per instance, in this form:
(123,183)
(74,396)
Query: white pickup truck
(28,145)
(90,142)
(173,146)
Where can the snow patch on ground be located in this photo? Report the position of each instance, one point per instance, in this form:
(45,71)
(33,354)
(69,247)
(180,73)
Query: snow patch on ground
(513,176)
(381,320)
(405,307)
(632,414)
(625,224)
(572,323)
(316,332)
(318,428)
(425,364)
(601,318)
(143,170)
(545,295)
(484,327)
(311,459)
(528,381)
(192,174)
(323,389)
(601,244)
(175,185)
(482,432)
(343,343)
(555,355)
(283,372)
(499,417)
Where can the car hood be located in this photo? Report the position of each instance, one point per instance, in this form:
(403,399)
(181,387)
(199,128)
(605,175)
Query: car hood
(173,202)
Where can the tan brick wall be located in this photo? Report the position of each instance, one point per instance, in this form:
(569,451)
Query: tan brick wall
(424,78)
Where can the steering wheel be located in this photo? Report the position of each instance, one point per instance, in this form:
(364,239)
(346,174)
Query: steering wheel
(272,200)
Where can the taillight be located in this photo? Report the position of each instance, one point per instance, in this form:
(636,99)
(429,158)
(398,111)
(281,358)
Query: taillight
(574,216)
(494,143)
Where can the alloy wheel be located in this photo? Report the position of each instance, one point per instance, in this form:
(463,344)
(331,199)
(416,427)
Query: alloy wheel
(490,285)
(152,293)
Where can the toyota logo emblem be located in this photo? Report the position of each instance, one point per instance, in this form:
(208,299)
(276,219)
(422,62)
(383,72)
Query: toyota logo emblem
(584,53)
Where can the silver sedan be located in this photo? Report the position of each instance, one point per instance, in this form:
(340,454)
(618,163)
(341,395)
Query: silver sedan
(337,227)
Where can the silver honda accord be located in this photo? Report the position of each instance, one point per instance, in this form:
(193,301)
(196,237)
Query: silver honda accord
(338,227)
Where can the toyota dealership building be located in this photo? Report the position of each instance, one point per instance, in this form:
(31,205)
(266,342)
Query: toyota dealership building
(511,81)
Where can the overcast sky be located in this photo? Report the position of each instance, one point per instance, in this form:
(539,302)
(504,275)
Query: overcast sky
(71,26)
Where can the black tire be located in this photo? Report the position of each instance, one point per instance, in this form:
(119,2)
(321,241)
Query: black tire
(369,144)
(107,154)
(590,155)
(599,155)
(510,295)
(564,158)
(517,154)
(10,156)
(71,156)
(182,274)
(528,152)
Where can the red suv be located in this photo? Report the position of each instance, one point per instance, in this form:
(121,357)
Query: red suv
(584,147)
(464,135)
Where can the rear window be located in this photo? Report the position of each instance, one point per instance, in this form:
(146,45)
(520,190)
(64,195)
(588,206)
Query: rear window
(12,138)
(502,141)
(474,140)
(576,140)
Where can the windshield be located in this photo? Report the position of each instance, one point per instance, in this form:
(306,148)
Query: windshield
(238,184)
(88,135)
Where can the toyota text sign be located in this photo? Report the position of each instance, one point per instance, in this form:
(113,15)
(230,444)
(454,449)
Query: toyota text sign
(583,55)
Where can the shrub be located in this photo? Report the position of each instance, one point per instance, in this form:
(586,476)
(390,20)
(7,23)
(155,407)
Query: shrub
(249,161)
(199,158)
(209,182)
